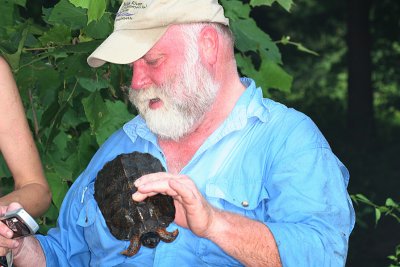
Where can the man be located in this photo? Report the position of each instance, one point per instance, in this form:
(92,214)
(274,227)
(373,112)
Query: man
(254,183)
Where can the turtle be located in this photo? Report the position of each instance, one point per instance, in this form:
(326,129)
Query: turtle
(143,223)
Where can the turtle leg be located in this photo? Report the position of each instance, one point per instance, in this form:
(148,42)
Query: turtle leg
(167,236)
(133,248)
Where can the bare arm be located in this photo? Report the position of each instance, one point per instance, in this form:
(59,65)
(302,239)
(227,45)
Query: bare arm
(248,241)
(19,150)
(28,252)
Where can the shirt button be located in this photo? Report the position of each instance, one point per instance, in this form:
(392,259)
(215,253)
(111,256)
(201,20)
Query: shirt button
(245,204)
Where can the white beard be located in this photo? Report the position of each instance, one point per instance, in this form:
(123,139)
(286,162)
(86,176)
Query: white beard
(186,99)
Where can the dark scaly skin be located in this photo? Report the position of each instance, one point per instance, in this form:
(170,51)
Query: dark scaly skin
(133,248)
(166,236)
(143,223)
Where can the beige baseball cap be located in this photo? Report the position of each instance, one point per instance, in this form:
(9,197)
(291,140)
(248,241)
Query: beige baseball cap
(140,24)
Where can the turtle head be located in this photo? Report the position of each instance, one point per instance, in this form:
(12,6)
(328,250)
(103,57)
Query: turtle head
(150,239)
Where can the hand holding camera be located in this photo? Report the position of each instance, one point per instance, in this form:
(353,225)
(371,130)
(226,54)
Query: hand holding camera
(21,224)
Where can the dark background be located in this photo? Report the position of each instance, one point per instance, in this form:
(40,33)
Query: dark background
(351,90)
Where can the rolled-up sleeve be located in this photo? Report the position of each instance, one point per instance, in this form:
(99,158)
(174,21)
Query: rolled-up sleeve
(310,212)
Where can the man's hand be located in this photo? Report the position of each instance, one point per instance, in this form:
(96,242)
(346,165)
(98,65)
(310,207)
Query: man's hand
(6,241)
(194,212)
(192,209)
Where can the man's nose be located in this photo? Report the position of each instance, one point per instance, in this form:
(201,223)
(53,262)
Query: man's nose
(140,78)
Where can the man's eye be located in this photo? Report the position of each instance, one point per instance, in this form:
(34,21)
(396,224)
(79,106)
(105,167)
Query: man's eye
(152,62)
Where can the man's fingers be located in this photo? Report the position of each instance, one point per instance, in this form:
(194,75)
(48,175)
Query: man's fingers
(152,177)
(154,183)
(6,244)
(14,206)
(184,189)
(5,231)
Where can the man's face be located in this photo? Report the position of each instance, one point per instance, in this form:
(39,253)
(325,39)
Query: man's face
(174,105)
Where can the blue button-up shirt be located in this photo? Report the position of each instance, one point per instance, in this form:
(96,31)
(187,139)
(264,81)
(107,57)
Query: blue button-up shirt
(267,162)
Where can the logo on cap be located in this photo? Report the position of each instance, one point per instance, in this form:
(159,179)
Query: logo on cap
(129,9)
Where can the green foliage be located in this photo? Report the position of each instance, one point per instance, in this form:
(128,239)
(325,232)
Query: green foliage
(67,102)
(72,108)
(286,41)
(286,4)
(390,208)
(395,258)
(257,55)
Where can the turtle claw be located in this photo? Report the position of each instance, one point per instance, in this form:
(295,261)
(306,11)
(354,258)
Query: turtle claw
(133,248)
(166,236)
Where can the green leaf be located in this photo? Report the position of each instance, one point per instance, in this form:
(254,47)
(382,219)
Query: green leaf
(60,142)
(4,171)
(20,2)
(302,48)
(58,186)
(26,77)
(390,203)
(93,85)
(377,215)
(48,219)
(95,110)
(82,153)
(364,199)
(67,14)
(245,65)
(7,13)
(251,38)
(57,35)
(117,116)
(235,10)
(48,83)
(96,10)
(48,115)
(14,59)
(286,4)
(255,3)
(100,29)
(72,118)
(6,184)
(271,75)
(383,209)
(75,66)
(81,3)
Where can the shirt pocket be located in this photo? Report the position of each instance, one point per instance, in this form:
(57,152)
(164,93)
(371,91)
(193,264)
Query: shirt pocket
(237,194)
(242,194)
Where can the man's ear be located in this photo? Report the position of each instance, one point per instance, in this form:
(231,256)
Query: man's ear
(208,45)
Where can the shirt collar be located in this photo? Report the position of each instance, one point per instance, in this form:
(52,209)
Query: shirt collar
(137,128)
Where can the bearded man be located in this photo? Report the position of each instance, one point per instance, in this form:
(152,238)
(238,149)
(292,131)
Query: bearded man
(254,183)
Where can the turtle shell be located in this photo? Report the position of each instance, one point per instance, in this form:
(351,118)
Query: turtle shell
(125,218)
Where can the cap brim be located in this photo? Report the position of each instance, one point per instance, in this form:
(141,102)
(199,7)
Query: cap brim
(125,46)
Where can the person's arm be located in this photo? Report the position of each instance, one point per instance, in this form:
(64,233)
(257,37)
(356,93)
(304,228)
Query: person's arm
(241,237)
(25,250)
(247,240)
(19,150)
(29,252)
